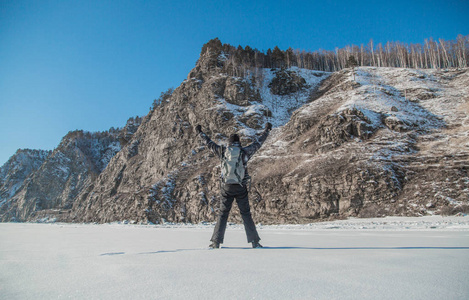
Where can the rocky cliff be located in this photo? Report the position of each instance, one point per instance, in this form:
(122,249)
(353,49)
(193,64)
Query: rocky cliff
(53,179)
(15,171)
(386,141)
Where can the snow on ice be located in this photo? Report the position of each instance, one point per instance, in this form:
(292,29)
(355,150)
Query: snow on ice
(386,258)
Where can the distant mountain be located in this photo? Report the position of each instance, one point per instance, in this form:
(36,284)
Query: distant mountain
(14,172)
(58,176)
(361,142)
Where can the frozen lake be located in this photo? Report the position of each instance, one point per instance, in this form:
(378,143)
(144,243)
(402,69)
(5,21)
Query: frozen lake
(391,258)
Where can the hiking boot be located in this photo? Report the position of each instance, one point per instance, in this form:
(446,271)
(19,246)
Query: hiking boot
(214,245)
(256,245)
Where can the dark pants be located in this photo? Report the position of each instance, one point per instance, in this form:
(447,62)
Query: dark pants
(229,192)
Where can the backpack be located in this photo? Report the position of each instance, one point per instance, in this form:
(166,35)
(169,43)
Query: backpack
(232,169)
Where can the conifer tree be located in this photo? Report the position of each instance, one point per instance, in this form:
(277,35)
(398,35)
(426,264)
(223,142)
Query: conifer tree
(278,58)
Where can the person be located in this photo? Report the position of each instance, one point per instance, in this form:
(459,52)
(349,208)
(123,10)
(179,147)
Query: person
(238,191)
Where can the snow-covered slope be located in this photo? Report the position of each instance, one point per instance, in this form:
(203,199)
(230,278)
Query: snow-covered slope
(390,141)
(276,109)
(282,106)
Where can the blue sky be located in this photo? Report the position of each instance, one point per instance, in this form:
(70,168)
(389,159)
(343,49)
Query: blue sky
(67,65)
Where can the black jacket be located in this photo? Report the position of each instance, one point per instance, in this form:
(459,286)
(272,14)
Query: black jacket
(247,152)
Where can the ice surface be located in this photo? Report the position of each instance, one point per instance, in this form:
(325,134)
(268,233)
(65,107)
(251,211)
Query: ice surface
(389,258)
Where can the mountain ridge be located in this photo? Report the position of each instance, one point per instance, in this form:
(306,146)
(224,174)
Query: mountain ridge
(350,143)
(62,173)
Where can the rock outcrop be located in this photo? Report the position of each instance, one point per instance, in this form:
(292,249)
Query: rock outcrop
(287,82)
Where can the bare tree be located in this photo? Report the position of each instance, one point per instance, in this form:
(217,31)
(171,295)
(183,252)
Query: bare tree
(461,51)
(445,53)
(430,54)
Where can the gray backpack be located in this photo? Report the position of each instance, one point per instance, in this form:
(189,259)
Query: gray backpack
(232,169)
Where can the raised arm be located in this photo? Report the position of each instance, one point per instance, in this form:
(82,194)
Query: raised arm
(217,149)
(252,148)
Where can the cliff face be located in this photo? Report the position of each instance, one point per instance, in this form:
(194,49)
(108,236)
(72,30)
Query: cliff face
(54,185)
(386,141)
(15,171)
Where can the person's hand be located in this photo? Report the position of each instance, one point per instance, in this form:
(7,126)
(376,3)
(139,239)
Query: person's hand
(198,128)
(268,126)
